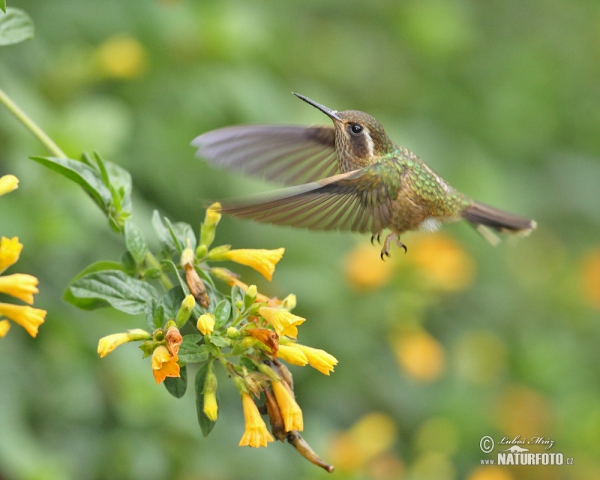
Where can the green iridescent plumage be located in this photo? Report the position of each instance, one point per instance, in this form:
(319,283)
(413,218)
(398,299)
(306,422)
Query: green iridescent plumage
(352,177)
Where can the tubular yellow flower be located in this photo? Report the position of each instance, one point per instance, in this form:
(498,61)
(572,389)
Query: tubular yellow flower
(184,312)
(19,285)
(263,261)
(4,327)
(164,364)
(110,342)
(211,408)
(282,321)
(8,183)
(256,433)
(10,249)
(319,359)
(290,411)
(207,233)
(28,317)
(292,354)
(206,323)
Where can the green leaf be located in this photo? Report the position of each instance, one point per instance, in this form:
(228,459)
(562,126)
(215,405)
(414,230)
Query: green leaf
(172,302)
(162,232)
(175,271)
(158,317)
(82,174)
(90,304)
(220,341)
(206,424)
(135,242)
(120,183)
(193,337)
(191,352)
(222,313)
(177,386)
(181,233)
(15,25)
(115,288)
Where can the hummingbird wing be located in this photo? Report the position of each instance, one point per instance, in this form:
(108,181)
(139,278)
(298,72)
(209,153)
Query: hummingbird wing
(283,153)
(360,200)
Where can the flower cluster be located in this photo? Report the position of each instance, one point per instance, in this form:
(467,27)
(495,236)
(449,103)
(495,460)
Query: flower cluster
(17,285)
(247,333)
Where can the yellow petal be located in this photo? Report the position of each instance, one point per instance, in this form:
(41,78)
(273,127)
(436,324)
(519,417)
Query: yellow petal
(206,323)
(4,327)
(256,433)
(8,183)
(263,261)
(292,354)
(110,342)
(282,321)
(290,411)
(164,364)
(211,408)
(10,249)
(319,359)
(28,317)
(19,285)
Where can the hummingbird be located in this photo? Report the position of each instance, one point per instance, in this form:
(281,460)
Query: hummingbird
(347,176)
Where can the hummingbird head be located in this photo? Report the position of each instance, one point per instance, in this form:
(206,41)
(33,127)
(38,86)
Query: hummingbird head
(360,140)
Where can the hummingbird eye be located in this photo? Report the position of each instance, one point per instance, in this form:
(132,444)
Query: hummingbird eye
(356,129)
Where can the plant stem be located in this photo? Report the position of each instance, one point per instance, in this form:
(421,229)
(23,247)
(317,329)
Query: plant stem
(154,263)
(31,125)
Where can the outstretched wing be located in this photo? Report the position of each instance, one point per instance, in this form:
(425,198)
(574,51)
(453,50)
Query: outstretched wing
(360,201)
(286,154)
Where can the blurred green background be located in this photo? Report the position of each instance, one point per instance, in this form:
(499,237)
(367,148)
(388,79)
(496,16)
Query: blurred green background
(436,348)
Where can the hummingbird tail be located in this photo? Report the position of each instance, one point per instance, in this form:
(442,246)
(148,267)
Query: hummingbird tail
(484,217)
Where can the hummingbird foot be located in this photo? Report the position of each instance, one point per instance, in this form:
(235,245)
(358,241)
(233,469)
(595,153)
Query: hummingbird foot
(378,237)
(385,251)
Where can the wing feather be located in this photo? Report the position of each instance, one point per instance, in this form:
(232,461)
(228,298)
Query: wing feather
(287,154)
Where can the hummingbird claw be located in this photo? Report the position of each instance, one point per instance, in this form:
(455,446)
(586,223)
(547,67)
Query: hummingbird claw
(378,237)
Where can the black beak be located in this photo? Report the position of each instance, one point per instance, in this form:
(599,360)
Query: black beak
(327,111)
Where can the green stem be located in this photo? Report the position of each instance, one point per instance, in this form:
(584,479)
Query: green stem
(31,125)
(154,263)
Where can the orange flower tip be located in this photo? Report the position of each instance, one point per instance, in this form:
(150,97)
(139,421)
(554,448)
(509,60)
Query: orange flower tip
(164,364)
(4,328)
(290,411)
(261,260)
(28,317)
(8,183)
(19,285)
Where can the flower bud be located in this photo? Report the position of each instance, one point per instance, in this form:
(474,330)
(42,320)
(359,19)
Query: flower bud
(206,323)
(185,310)
(207,231)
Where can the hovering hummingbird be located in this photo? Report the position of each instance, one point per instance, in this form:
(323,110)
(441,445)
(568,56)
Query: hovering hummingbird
(349,176)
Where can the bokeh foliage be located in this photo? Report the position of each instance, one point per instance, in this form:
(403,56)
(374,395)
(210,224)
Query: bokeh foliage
(500,97)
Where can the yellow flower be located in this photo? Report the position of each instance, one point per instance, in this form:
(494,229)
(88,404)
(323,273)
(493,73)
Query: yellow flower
(10,249)
(4,327)
(442,263)
(122,56)
(110,342)
(282,321)
(318,359)
(263,261)
(19,285)
(292,354)
(8,183)
(211,408)
(206,323)
(28,317)
(365,274)
(290,411)
(164,364)
(256,433)
(207,232)
(420,355)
